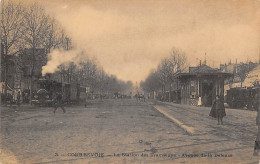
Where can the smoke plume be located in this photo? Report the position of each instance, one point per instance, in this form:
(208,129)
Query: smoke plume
(130,37)
(58,57)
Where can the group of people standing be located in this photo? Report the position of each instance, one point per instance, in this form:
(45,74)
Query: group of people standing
(13,99)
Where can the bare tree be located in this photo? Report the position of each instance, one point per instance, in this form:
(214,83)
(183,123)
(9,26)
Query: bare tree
(50,37)
(152,83)
(169,68)
(36,26)
(11,32)
(91,75)
(55,37)
(163,71)
(177,64)
(178,60)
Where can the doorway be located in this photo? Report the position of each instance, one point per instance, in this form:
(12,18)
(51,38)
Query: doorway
(207,91)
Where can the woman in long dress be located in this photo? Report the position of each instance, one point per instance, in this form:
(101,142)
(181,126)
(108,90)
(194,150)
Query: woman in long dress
(213,110)
(218,109)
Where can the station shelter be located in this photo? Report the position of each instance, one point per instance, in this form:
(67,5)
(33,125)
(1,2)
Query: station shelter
(201,85)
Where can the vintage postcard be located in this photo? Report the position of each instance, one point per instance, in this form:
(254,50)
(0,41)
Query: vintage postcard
(130,81)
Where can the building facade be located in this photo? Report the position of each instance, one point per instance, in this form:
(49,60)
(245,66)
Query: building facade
(31,67)
(201,85)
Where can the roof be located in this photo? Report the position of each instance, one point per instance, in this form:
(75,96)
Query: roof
(202,69)
(252,77)
(199,74)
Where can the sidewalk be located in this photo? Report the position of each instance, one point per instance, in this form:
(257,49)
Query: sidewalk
(238,124)
(236,136)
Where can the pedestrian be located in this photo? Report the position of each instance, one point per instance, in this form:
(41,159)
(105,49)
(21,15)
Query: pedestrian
(213,110)
(204,100)
(9,99)
(23,97)
(199,101)
(58,103)
(220,109)
(257,107)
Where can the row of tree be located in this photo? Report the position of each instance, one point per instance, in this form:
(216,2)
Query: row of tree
(175,63)
(30,27)
(92,76)
(165,73)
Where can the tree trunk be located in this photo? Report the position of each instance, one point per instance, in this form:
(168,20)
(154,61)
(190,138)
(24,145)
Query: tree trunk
(170,92)
(164,93)
(32,74)
(5,77)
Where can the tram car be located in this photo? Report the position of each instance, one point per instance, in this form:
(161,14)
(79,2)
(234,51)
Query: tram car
(242,97)
(48,89)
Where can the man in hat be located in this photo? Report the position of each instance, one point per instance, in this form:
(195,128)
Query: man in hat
(58,103)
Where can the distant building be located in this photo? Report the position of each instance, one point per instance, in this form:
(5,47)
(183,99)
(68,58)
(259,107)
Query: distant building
(229,68)
(10,73)
(201,85)
(235,68)
(31,66)
(253,78)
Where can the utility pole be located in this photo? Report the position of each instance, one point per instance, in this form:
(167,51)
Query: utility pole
(136,87)
(67,48)
(205,58)
(102,80)
(102,83)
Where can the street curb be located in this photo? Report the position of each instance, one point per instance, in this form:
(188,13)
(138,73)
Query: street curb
(189,130)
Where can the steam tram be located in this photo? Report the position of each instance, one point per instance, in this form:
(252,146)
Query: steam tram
(242,97)
(48,89)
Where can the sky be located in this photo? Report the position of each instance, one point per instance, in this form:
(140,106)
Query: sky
(130,37)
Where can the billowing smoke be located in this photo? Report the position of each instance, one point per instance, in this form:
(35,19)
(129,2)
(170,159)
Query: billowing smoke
(59,57)
(130,38)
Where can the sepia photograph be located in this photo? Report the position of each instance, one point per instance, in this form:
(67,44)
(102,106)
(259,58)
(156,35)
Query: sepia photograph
(130,81)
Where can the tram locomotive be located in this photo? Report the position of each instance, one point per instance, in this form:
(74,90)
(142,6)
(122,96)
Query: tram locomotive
(242,97)
(47,90)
